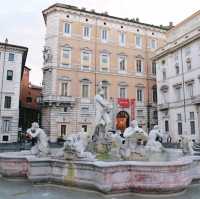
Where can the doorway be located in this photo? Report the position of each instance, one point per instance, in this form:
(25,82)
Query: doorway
(122,121)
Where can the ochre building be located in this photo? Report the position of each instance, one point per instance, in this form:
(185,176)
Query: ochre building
(84,48)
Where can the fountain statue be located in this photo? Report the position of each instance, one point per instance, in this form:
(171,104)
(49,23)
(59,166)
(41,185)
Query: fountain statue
(129,145)
(100,140)
(153,145)
(187,145)
(41,147)
(75,147)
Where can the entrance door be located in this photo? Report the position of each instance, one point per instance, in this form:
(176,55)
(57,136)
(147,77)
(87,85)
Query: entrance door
(122,121)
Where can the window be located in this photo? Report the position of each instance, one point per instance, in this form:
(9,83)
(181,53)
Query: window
(189,64)
(140,113)
(139,66)
(154,93)
(180,130)
(153,44)
(63,130)
(178,93)
(64,89)
(7,102)
(66,53)
(104,62)
(66,56)
(11,57)
(190,90)
(138,41)
(187,51)
(85,91)
(140,95)
(153,68)
(84,128)
(122,64)
(29,99)
(122,92)
(0,55)
(67,28)
(155,115)
(104,35)
(6,125)
(86,32)
(9,75)
(177,69)
(164,74)
(192,123)
(166,126)
(179,120)
(122,39)
(85,60)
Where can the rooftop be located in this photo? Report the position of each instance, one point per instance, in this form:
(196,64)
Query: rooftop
(104,14)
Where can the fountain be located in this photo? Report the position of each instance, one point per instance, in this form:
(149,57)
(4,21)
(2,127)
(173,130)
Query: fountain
(107,160)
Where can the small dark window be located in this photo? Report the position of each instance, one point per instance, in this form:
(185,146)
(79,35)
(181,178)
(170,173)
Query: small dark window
(29,99)
(180,129)
(7,103)
(86,19)
(9,75)
(63,130)
(104,23)
(5,138)
(166,126)
(192,126)
(84,127)
(122,26)
(11,57)
(67,16)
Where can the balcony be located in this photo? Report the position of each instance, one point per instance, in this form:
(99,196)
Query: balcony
(163,107)
(196,100)
(58,99)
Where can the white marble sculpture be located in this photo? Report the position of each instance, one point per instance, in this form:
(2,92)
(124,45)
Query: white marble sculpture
(75,147)
(47,55)
(131,145)
(41,148)
(103,109)
(153,144)
(187,145)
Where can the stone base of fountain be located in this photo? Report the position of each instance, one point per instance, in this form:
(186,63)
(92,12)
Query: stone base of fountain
(106,177)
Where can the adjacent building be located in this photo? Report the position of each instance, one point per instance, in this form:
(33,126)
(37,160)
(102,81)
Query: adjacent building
(30,95)
(178,80)
(12,61)
(84,48)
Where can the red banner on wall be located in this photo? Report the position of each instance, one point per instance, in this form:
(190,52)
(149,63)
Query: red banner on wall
(132,105)
(123,102)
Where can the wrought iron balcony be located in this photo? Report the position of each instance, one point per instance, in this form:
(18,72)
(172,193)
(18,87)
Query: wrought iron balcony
(163,107)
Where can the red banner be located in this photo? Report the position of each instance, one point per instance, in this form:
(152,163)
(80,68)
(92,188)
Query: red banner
(123,102)
(132,102)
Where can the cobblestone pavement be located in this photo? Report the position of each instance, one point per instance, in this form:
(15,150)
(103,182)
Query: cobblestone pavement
(22,189)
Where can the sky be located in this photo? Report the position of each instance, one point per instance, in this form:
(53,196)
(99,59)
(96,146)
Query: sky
(21,21)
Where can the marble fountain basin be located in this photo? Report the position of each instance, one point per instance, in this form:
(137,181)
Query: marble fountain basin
(105,176)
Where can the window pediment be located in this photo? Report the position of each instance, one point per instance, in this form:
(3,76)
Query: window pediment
(85,80)
(140,85)
(123,84)
(177,85)
(164,88)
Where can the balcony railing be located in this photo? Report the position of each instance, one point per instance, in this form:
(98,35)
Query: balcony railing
(196,100)
(59,99)
(163,107)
